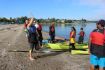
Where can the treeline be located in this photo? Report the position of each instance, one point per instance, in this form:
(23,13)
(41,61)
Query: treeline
(21,20)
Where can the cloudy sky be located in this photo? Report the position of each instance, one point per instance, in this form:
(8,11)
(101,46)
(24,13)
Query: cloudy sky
(70,9)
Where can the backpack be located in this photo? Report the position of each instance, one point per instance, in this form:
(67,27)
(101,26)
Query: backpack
(32,29)
(32,36)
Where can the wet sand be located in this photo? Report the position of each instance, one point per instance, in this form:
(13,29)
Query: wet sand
(14,54)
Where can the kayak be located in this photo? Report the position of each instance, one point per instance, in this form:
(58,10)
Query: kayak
(60,46)
(57,46)
(79,52)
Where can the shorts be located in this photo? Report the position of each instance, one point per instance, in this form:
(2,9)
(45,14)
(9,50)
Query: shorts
(34,46)
(100,61)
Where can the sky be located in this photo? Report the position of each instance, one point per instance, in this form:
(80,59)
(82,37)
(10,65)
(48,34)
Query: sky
(62,9)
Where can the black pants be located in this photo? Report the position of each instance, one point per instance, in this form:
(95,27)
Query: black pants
(40,38)
(80,40)
(40,42)
(52,38)
(73,46)
(34,46)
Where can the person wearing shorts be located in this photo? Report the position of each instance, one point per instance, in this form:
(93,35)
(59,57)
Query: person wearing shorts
(97,46)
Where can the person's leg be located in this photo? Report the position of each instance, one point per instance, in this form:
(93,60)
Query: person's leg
(30,51)
(36,48)
(92,67)
(93,62)
(73,46)
(40,42)
(82,40)
(79,40)
(101,63)
(37,45)
(53,38)
(70,47)
(101,68)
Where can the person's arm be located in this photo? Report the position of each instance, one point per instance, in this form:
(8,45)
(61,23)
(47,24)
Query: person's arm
(84,34)
(50,30)
(30,23)
(37,33)
(89,43)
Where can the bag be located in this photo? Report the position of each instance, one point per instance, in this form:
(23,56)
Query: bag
(32,29)
(32,36)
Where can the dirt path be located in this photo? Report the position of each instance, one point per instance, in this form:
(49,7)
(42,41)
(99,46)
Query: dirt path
(13,39)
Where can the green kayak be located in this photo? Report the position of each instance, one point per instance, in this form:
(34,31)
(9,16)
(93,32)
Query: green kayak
(60,46)
(79,52)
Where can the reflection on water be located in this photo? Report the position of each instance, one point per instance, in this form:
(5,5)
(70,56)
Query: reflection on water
(63,30)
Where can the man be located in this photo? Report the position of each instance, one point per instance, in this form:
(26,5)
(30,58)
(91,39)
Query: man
(97,46)
(39,30)
(81,36)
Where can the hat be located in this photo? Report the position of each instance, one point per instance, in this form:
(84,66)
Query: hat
(101,22)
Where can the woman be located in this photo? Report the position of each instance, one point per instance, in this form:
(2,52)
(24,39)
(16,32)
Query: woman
(52,32)
(32,38)
(72,38)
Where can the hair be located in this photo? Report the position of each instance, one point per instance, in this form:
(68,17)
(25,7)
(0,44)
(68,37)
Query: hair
(38,21)
(81,28)
(74,29)
(101,22)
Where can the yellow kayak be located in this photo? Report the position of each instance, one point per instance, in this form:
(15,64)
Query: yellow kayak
(60,46)
(79,52)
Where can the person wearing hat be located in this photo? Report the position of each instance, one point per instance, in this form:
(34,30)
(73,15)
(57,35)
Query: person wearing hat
(97,46)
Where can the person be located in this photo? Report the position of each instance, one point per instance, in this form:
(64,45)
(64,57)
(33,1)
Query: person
(81,36)
(32,38)
(25,27)
(97,46)
(39,30)
(72,38)
(52,32)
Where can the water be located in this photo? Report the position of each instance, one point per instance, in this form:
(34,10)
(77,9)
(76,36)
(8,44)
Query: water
(63,30)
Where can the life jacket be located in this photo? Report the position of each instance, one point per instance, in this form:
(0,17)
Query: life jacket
(97,46)
(39,27)
(52,29)
(25,25)
(82,33)
(32,29)
(32,37)
(72,34)
(98,37)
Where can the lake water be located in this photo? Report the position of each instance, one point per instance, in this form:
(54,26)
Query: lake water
(63,30)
